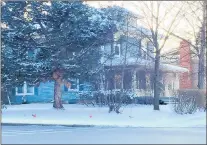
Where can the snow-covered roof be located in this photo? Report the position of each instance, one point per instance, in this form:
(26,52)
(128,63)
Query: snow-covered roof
(146,64)
(172,68)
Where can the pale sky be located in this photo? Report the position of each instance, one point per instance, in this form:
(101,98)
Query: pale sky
(181,25)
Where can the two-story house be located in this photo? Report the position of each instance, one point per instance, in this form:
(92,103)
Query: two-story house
(130,62)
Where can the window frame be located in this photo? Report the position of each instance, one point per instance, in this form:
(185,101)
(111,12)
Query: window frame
(25,93)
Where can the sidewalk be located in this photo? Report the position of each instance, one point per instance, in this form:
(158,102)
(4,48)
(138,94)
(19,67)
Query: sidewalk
(82,116)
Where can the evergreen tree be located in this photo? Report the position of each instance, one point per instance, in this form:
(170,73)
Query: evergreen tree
(53,33)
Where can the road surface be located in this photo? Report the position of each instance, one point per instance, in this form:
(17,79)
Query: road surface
(100,135)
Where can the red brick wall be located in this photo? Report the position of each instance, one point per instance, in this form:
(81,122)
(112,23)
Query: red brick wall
(185,61)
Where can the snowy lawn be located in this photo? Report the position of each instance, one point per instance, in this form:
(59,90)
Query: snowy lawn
(133,116)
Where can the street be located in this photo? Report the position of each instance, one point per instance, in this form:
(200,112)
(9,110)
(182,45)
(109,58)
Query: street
(34,134)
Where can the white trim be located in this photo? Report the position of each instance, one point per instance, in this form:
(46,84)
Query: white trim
(77,85)
(24,90)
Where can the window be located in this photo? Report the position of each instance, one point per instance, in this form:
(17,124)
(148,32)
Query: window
(117,50)
(169,86)
(150,49)
(127,79)
(117,81)
(25,90)
(30,89)
(20,89)
(74,84)
(140,48)
(141,80)
(173,85)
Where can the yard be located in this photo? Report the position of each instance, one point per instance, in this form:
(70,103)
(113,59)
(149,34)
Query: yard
(74,114)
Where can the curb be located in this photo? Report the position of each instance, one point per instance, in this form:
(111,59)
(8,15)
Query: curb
(24,124)
(87,126)
(68,125)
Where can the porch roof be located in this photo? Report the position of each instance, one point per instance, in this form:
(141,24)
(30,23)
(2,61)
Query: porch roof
(146,64)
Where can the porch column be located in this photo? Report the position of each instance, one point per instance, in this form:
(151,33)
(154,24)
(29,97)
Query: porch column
(134,79)
(102,77)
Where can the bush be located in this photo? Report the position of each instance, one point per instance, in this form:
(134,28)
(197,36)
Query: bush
(114,99)
(189,100)
(86,98)
(100,98)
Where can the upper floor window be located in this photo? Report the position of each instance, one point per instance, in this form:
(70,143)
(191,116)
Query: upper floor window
(150,48)
(140,48)
(24,90)
(117,50)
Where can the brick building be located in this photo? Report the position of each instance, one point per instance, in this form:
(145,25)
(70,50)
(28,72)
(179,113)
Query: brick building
(183,56)
(185,80)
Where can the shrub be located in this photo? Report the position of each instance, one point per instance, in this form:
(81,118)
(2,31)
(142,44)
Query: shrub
(113,99)
(189,100)
(86,98)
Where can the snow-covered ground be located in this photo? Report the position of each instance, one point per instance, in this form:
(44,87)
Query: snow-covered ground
(101,135)
(133,116)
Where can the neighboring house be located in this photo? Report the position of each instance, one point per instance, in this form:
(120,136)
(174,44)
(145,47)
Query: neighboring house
(44,93)
(184,57)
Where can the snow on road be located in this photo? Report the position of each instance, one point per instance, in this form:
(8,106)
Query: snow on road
(101,135)
(133,116)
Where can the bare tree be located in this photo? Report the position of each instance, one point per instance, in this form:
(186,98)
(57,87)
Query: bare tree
(156,16)
(195,16)
(128,32)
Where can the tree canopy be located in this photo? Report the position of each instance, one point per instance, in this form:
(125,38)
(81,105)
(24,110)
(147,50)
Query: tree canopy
(51,34)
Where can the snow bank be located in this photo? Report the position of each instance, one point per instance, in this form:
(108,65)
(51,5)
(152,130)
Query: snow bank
(132,116)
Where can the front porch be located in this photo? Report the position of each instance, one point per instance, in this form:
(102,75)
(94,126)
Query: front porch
(139,79)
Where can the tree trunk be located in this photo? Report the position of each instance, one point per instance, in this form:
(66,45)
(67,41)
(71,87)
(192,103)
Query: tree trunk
(57,96)
(201,67)
(156,81)
(57,75)
(201,71)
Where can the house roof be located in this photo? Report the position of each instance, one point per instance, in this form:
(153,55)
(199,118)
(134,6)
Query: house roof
(145,64)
